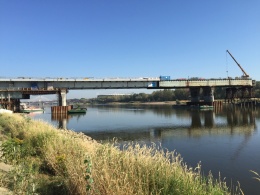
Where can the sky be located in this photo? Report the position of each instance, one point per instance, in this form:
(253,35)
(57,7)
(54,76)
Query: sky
(128,38)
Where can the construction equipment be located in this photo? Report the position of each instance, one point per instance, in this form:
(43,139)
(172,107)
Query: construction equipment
(245,74)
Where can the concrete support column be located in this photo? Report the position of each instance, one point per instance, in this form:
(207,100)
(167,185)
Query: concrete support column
(195,95)
(9,98)
(208,95)
(9,102)
(62,97)
(2,101)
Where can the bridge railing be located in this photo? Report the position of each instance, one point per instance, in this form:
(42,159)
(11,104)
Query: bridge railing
(26,79)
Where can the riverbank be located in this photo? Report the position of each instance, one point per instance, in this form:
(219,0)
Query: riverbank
(142,103)
(47,160)
(166,103)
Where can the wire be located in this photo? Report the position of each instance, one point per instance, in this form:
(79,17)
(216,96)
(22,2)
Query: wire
(227,64)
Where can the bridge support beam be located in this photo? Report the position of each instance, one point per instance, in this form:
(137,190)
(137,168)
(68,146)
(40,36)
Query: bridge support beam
(195,95)
(62,97)
(208,95)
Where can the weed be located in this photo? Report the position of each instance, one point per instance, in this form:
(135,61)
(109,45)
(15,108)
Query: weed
(88,176)
(12,149)
(257,176)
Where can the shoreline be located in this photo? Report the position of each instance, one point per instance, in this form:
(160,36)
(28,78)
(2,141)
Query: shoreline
(142,103)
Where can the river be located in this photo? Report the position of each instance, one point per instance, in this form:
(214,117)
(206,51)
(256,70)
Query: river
(226,140)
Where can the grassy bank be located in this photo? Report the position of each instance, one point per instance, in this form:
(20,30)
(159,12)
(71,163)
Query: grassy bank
(47,160)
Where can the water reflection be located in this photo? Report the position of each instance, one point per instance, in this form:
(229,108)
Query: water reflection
(228,120)
(63,118)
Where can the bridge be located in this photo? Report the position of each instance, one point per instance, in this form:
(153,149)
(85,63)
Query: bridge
(12,90)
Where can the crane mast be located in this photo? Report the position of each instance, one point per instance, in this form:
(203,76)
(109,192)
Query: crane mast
(245,74)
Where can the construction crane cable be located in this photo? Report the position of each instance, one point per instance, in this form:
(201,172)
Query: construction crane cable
(226,64)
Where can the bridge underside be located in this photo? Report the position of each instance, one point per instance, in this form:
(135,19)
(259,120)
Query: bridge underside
(10,99)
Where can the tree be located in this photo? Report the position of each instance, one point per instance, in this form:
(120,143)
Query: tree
(182,94)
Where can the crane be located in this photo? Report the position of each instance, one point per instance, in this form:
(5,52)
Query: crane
(245,74)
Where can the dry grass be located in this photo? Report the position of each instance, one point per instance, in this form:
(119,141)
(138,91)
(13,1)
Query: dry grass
(52,161)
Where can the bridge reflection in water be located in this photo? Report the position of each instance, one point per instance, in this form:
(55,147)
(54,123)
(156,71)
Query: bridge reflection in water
(63,118)
(238,121)
(230,120)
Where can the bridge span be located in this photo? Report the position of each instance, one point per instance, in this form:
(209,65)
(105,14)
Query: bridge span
(14,89)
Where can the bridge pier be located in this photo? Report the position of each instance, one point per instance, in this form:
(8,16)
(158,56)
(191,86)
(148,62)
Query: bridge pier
(62,97)
(246,92)
(208,95)
(242,94)
(62,108)
(207,98)
(195,95)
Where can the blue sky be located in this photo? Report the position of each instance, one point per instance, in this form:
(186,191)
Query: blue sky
(129,38)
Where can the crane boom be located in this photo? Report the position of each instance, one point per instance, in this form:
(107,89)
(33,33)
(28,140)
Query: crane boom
(245,74)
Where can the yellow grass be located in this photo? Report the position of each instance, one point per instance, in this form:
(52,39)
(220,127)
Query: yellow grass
(52,160)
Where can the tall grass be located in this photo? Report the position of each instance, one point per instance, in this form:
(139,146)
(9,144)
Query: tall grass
(51,161)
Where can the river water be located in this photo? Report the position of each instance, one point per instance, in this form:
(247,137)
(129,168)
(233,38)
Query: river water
(224,140)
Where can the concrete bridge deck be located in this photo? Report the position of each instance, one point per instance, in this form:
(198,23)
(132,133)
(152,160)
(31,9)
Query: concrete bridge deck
(49,84)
